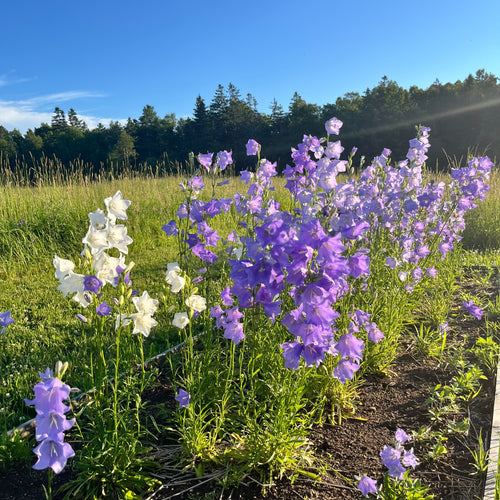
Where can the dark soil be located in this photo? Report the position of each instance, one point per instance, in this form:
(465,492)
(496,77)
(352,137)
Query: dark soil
(352,448)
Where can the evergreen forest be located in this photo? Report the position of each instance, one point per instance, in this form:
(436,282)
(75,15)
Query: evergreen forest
(460,115)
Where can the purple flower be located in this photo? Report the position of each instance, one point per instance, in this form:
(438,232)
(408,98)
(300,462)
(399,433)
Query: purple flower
(443,328)
(292,352)
(374,334)
(471,308)
(367,485)
(51,423)
(246,176)
(359,264)
(170,229)
(5,320)
(205,255)
(183,398)
(224,159)
(350,346)
(82,318)
(206,160)
(196,184)
(409,459)
(252,147)
(103,309)
(333,126)
(226,298)
(402,437)
(52,454)
(92,284)
(345,370)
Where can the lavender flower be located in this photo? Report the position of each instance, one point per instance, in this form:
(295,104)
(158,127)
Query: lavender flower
(253,147)
(471,308)
(367,485)
(51,423)
(183,398)
(5,321)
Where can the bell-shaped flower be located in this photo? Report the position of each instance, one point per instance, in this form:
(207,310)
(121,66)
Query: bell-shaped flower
(118,238)
(72,283)
(117,207)
(52,454)
(183,398)
(5,320)
(145,304)
(333,126)
(143,323)
(96,239)
(196,303)
(122,320)
(52,426)
(106,267)
(98,219)
(63,267)
(83,298)
(181,320)
(49,397)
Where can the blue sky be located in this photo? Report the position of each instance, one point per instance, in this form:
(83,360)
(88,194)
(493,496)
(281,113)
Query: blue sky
(107,59)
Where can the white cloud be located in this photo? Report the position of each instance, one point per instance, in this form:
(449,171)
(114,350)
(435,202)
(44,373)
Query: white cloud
(31,113)
(7,79)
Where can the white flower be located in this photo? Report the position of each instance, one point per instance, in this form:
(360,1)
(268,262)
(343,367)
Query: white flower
(63,267)
(72,283)
(174,268)
(105,267)
(96,239)
(117,237)
(143,323)
(98,219)
(82,298)
(180,320)
(176,283)
(402,275)
(145,304)
(197,303)
(117,207)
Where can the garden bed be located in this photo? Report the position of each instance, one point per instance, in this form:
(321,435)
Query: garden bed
(385,403)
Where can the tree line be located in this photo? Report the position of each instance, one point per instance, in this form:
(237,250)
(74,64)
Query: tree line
(461,115)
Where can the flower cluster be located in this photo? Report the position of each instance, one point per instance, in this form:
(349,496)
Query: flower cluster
(105,247)
(51,422)
(103,235)
(328,246)
(394,459)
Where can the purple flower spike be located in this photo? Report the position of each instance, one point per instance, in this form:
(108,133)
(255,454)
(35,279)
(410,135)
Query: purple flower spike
(51,423)
(183,398)
(367,485)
